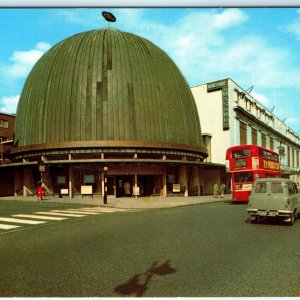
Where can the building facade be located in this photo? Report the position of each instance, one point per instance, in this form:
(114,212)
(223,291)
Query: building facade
(108,111)
(231,116)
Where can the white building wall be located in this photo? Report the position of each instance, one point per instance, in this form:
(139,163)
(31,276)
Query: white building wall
(242,108)
(209,107)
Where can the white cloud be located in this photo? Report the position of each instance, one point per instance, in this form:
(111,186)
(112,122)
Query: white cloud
(23,61)
(293,27)
(228,18)
(265,101)
(9,104)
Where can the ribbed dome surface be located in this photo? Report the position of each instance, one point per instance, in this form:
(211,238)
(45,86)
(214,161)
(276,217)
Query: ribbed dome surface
(106,85)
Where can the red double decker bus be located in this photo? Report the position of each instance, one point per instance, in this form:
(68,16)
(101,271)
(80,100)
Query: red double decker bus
(246,163)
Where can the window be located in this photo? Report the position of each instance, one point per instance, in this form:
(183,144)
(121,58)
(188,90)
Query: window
(254,136)
(271,143)
(89,179)
(263,140)
(292,189)
(261,187)
(240,153)
(61,179)
(3,123)
(276,188)
(243,133)
(243,177)
(240,163)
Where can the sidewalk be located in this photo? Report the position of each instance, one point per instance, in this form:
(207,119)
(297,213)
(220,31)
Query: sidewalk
(128,203)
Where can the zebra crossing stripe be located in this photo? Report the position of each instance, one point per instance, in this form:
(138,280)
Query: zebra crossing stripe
(102,209)
(78,211)
(14,220)
(7,227)
(59,214)
(40,217)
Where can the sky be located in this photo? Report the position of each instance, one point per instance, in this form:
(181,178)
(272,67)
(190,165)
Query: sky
(258,48)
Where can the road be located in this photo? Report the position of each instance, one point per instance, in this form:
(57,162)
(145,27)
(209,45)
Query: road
(207,250)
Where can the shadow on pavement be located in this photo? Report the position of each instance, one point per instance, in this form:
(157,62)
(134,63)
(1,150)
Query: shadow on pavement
(137,285)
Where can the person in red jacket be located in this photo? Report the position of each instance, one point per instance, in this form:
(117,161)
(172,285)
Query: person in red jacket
(40,191)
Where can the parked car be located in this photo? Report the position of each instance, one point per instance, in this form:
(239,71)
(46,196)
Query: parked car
(274,197)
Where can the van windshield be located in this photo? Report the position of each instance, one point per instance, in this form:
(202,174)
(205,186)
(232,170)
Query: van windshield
(276,187)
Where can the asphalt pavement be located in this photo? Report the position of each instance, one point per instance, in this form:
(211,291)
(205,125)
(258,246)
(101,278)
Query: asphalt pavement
(129,202)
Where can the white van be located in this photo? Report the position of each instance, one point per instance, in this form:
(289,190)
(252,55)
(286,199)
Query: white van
(274,197)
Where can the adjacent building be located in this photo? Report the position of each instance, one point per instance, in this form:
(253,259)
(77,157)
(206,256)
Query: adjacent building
(231,116)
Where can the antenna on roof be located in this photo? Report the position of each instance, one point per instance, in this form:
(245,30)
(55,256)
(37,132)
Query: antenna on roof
(109,17)
(272,109)
(283,120)
(250,89)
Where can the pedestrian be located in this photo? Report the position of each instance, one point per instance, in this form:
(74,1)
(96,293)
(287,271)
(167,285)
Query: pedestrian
(216,188)
(40,191)
(127,187)
(222,190)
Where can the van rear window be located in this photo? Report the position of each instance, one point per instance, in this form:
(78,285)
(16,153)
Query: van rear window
(276,187)
(261,187)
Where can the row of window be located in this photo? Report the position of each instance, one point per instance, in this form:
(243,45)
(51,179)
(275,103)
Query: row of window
(3,123)
(292,155)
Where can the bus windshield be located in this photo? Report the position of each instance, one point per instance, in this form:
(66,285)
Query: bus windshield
(243,177)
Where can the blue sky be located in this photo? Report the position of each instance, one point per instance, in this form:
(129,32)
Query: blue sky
(257,47)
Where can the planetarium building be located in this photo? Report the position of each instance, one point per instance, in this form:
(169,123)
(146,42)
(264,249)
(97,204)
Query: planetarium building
(107,108)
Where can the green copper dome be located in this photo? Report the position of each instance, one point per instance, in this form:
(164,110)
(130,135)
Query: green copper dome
(109,86)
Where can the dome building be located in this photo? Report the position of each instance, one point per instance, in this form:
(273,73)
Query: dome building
(107,104)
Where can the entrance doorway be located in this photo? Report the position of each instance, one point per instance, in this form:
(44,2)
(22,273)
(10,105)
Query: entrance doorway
(124,186)
(110,185)
(150,185)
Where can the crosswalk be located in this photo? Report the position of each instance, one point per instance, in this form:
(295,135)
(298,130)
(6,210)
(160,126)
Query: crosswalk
(17,221)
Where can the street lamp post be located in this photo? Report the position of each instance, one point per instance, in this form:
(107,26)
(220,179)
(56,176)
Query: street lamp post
(105,169)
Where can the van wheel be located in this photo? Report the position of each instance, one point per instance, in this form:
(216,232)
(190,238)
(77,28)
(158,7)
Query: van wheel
(292,219)
(254,221)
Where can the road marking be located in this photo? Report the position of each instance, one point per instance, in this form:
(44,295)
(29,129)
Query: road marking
(6,227)
(103,209)
(59,214)
(77,211)
(40,217)
(14,220)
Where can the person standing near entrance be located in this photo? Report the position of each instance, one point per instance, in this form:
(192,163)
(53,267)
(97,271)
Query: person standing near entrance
(216,189)
(127,188)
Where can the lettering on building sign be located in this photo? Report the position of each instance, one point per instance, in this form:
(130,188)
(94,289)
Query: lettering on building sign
(217,85)
(271,164)
(225,108)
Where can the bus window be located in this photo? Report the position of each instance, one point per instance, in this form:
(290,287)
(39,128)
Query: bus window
(243,177)
(240,153)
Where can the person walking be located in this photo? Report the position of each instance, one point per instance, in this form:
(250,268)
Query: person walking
(40,191)
(222,190)
(216,189)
